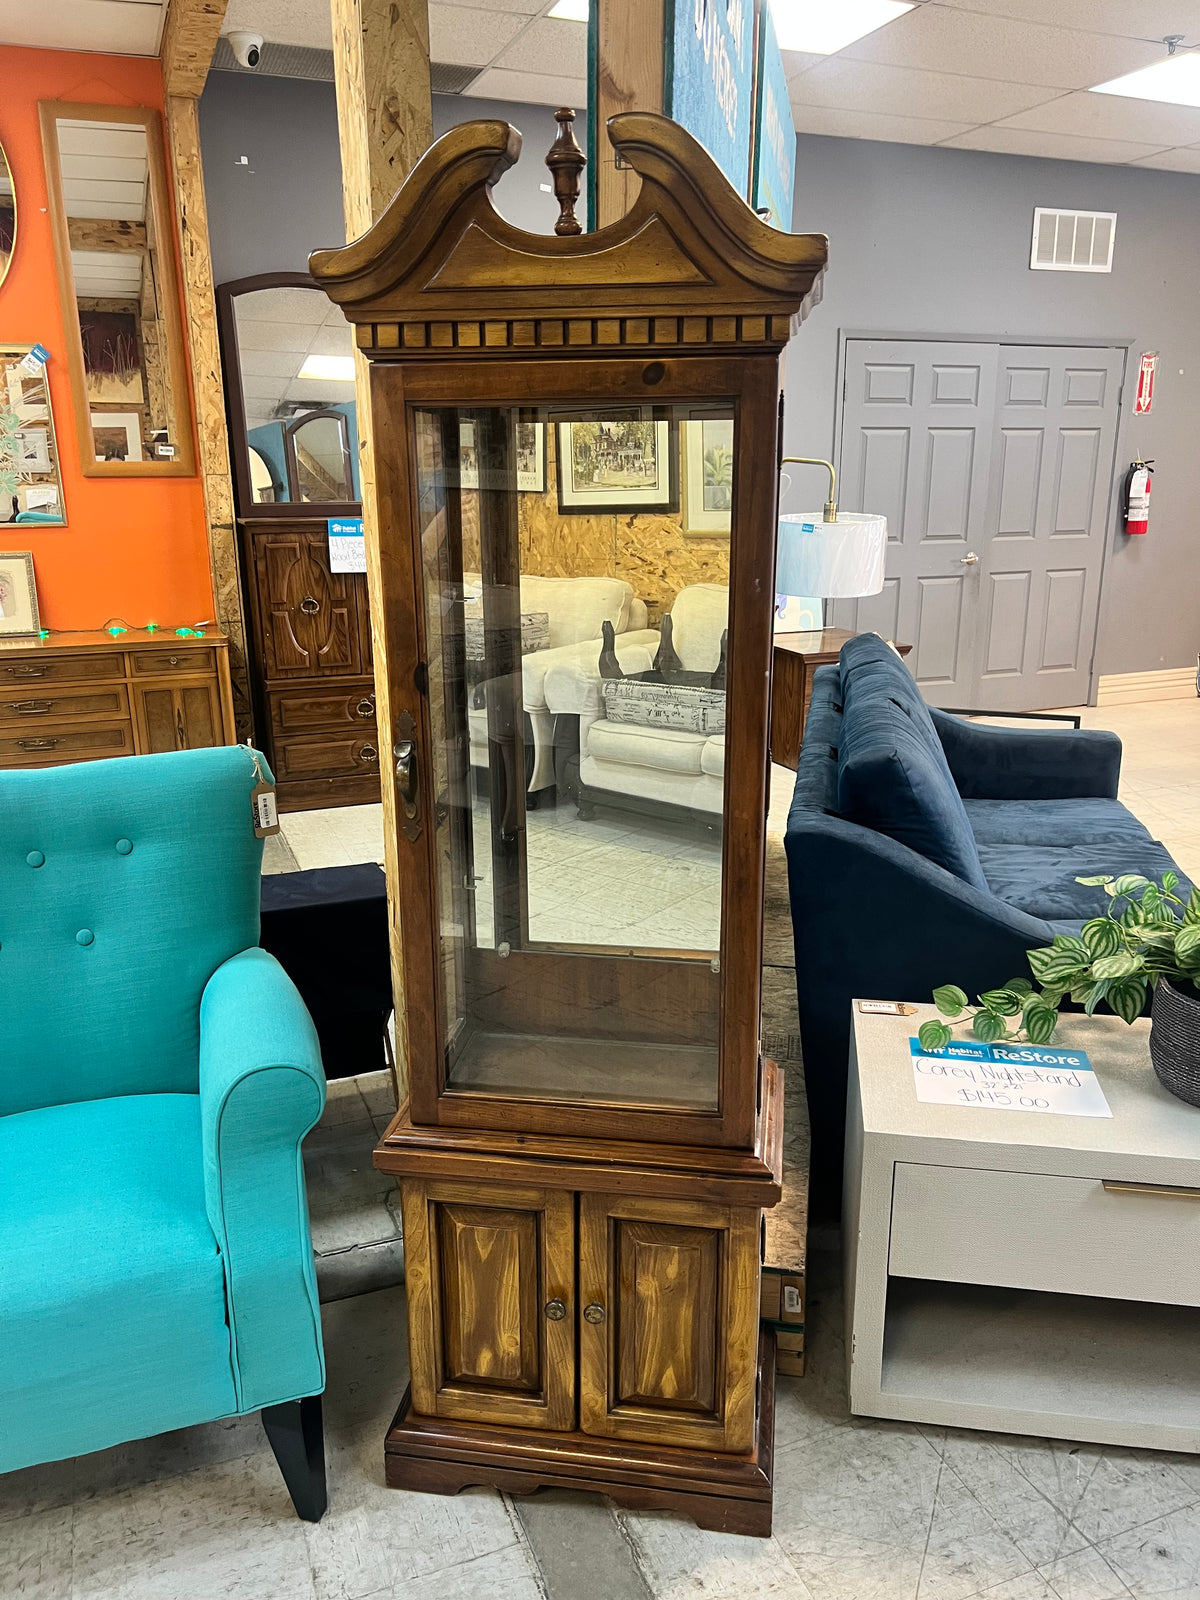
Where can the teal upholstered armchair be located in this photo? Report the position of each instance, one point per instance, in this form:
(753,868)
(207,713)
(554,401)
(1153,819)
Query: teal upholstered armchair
(157,1074)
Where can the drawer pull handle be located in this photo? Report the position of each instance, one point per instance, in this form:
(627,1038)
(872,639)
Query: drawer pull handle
(368,753)
(37,744)
(555,1310)
(26,672)
(174,661)
(1163,1191)
(366,708)
(310,606)
(593,1313)
(31,708)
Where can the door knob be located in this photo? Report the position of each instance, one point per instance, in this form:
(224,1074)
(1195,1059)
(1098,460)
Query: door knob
(969,559)
(555,1310)
(593,1313)
(310,606)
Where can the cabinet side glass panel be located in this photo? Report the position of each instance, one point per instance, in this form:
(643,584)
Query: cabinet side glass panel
(577,706)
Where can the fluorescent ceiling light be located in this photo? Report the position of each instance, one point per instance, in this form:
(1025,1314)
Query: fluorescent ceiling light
(572,10)
(339,368)
(821,29)
(1175,80)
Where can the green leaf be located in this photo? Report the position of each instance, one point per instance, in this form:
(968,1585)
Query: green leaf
(1097,992)
(1050,965)
(1070,943)
(1040,1023)
(1127,998)
(1004,1001)
(1127,883)
(1151,897)
(989,1027)
(1187,945)
(1191,912)
(1123,965)
(1019,986)
(1102,936)
(1170,881)
(1133,916)
(1094,883)
(950,1000)
(934,1035)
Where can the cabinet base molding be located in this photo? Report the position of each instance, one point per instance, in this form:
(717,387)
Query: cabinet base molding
(724,1494)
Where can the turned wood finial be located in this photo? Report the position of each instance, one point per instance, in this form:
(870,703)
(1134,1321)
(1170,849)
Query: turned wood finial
(566,162)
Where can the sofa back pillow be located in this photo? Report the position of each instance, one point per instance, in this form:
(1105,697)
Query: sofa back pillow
(578,607)
(699,616)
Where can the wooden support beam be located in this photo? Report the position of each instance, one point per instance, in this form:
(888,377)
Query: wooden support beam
(385,125)
(629,73)
(183,138)
(189,39)
(95,233)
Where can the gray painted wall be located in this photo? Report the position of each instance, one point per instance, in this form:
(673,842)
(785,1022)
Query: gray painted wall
(937,241)
(286,200)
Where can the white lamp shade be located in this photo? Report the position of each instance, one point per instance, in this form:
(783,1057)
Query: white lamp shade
(836,560)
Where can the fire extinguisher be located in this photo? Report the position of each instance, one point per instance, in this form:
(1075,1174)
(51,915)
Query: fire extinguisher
(1136,509)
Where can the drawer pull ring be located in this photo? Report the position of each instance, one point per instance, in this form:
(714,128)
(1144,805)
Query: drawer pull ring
(309,606)
(593,1313)
(31,708)
(555,1310)
(365,708)
(26,672)
(368,753)
(37,744)
(1162,1191)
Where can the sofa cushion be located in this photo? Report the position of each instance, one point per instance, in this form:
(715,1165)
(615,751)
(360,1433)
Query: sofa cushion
(1054,822)
(112,1311)
(712,757)
(670,749)
(1041,878)
(577,607)
(699,616)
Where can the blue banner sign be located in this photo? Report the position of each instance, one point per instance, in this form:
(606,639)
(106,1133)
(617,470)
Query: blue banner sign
(709,84)
(774,132)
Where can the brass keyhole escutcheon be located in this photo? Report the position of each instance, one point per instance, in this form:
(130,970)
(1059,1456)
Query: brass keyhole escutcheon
(593,1313)
(555,1310)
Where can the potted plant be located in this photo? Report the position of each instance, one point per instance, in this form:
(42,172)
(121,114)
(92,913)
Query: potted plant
(1148,941)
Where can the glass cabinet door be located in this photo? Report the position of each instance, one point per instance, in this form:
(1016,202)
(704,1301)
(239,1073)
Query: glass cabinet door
(577,750)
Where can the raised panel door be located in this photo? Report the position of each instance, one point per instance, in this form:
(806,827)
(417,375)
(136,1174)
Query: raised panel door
(308,615)
(491,1277)
(668,1333)
(178,716)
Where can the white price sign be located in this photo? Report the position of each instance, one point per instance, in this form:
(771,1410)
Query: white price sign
(347,548)
(1008,1077)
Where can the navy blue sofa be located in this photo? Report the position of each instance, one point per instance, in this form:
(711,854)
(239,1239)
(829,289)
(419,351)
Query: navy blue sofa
(924,849)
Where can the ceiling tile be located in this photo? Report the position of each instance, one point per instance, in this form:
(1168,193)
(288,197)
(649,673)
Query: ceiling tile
(796,61)
(528,8)
(1133,19)
(270,363)
(117,27)
(287,303)
(549,46)
(1111,116)
(976,45)
(272,336)
(1054,146)
(464,36)
(329,341)
(528,88)
(1172,160)
(903,92)
(302,22)
(873,125)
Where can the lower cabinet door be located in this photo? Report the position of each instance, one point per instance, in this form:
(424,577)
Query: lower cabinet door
(668,1330)
(178,716)
(490,1276)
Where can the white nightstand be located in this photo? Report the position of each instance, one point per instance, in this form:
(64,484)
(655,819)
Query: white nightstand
(1018,1271)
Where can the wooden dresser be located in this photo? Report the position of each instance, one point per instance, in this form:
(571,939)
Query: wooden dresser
(84,696)
(313,680)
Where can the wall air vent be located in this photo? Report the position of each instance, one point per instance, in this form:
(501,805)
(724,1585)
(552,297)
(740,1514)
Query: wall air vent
(1073,241)
(447,79)
(278,61)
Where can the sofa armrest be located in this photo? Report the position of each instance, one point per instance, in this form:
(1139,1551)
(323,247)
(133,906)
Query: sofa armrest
(1012,764)
(262,1088)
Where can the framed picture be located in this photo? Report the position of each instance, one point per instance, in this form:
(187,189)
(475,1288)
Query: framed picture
(29,477)
(706,446)
(18,596)
(117,435)
(531,458)
(33,451)
(625,461)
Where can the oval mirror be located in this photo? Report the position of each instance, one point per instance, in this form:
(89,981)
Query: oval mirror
(8,215)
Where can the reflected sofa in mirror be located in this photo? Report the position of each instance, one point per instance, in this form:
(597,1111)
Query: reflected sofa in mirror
(113,232)
(8,215)
(30,485)
(288,357)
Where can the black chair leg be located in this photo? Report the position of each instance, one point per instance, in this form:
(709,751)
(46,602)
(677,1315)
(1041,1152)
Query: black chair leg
(297,1436)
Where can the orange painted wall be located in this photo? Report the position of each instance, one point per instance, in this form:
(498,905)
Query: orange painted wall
(133,547)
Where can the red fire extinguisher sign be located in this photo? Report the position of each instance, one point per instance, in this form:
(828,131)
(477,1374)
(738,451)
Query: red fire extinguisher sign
(1145,388)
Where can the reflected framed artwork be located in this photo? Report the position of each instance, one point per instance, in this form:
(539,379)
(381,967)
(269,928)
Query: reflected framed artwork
(117,435)
(531,459)
(622,461)
(18,595)
(707,472)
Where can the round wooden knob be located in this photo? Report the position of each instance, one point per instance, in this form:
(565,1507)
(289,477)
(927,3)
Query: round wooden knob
(593,1313)
(555,1310)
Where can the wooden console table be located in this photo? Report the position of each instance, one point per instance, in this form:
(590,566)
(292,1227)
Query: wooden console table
(83,696)
(797,657)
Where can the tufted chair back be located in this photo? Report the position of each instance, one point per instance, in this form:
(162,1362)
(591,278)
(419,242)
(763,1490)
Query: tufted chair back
(123,886)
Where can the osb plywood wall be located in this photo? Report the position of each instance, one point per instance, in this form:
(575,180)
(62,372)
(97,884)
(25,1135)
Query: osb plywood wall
(650,552)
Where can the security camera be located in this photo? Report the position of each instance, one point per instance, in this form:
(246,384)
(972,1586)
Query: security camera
(247,47)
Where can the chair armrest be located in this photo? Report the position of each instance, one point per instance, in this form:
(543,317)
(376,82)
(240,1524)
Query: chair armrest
(262,1088)
(576,687)
(1009,764)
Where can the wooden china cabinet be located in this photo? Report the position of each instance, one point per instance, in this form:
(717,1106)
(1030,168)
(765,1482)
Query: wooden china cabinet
(591,1134)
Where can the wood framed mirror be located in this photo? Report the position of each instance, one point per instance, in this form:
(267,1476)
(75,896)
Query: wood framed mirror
(110,209)
(8,215)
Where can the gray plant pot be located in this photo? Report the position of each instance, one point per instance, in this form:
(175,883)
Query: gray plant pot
(1175,1041)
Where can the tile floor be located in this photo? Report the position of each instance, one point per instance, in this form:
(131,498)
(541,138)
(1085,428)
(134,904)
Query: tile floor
(864,1510)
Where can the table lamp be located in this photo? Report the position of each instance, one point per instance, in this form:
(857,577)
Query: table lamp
(833,555)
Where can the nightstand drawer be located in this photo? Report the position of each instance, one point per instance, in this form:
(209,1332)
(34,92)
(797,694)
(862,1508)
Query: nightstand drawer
(1030,1230)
